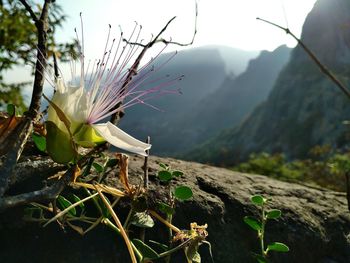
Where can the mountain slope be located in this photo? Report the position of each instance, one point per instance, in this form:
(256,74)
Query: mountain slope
(304,108)
(204,69)
(228,105)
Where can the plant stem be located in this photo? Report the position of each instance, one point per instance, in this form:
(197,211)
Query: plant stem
(174,228)
(119,224)
(262,232)
(108,223)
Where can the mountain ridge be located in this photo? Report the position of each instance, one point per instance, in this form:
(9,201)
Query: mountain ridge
(304,109)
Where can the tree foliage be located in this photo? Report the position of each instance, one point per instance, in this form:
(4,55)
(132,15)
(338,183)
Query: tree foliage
(18,40)
(323,167)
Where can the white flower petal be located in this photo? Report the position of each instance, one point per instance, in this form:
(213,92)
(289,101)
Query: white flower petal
(73,102)
(121,139)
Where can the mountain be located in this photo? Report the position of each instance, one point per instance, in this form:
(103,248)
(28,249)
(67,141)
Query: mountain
(204,70)
(304,108)
(236,60)
(228,105)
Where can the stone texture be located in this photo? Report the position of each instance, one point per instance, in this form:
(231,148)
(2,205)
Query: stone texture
(315,222)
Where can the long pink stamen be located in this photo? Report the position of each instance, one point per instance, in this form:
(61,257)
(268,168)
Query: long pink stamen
(105,84)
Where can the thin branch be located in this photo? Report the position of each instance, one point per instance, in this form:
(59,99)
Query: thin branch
(133,70)
(58,215)
(48,193)
(145,184)
(145,167)
(30,10)
(193,37)
(322,67)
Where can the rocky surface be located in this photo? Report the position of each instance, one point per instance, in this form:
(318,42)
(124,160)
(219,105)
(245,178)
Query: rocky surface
(315,222)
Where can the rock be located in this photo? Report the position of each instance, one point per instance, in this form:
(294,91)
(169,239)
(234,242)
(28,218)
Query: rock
(315,223)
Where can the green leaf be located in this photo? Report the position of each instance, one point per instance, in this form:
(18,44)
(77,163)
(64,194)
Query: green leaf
(64,203)
(145,250)
(111,162)
(161,246)
(192,252)
(165,208)
(273,214)
(258,200)
(164,176)
(142,220)
(183,193)
(177,173)
(105,211)
(11,109)
(59,144)
(98,167)
(39,141)
(164,166)
(76,199)
(252,222)
(277,246)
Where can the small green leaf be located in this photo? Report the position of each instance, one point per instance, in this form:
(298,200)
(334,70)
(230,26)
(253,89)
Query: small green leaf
(64,203)
(98,167)
(183,193)
(252,222)
(258,200)
(273,214)
(277,246)
(39,141)
(164,166)
(76,199)
(145,250)
(111,162)
(142,220)
(166,209)
(177,173)
(164,176)
(11,109)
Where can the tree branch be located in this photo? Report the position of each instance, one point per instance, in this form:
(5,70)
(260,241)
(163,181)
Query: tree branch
(48,193)
(42,26)
(30,10)
(20,134)
(322,67)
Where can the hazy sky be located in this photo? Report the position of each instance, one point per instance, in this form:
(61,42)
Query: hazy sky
(222,22)
(225,22)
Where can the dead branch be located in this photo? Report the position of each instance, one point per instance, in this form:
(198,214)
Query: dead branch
(325,71)
(322,67)
(46,194)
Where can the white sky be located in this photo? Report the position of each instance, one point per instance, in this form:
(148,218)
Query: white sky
(222,22)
